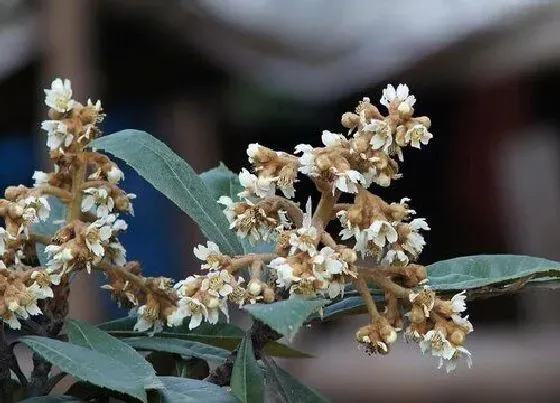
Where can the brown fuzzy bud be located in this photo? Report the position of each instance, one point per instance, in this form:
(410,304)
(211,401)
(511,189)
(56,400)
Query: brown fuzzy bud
(13,192)
(122,203)
(268,295)
(350,120)
(416,314)
(457,337)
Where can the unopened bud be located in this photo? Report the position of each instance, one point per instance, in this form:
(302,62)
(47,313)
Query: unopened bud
(416,314)
(457,337)
(350,120)
(12,192)
(349,255)
(268,295)
(405,111)
(255,287)
(213,303)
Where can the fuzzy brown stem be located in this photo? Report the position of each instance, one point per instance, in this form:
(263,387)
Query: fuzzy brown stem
(74,209)
(241,262)
(323,212)
(42,239)
(384,282)
(328,240)
(293,210)
(62,194)
(363,289)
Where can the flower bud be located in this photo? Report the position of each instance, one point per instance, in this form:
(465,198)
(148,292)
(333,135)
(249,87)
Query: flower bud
(405,111)
(457,337)
(255,287)
(213,302)
(268,295)
(350,120)
(416,314)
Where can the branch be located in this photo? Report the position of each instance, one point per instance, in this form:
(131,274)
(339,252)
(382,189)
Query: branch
(384,282)
(62,194)
(246,261)
(323,212)
(42,239)
(293,210)
(363,289)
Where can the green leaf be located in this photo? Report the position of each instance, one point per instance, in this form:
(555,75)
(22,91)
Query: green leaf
(247,380)
(176,179)
(51,399)
(182,390)
(348,306)
(276,349)
(218,329)
(49,227)
(88,365)
(125,323)
(89,336)
(221,181)
(286,316)
(183,347)
(222,335)
(283,387)
(352,305)
(484,270)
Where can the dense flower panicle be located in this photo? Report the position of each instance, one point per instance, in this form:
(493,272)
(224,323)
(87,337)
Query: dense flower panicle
(306,260)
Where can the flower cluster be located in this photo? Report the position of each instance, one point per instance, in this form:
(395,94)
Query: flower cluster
(439,327)
(379,241)
(308,262)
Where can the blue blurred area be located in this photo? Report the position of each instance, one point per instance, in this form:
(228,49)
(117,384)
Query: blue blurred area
(149,237)
(19,160)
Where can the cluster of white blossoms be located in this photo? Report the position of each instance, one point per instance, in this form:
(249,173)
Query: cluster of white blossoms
(254,221)
(439,327)
(394,243)
(20,286)
(78,244)
(60,133)
(201,298)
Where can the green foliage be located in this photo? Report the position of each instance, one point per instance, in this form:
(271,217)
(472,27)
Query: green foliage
(283,387)
(247,379)
(287,316)
(176,179)
(348,306)
(223,335)
(181,390)
(89,336)
(221,181)
(182,347)
(484,270)
(88,365)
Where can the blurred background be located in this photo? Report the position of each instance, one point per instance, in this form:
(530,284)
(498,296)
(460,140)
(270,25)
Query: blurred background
(210,76)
